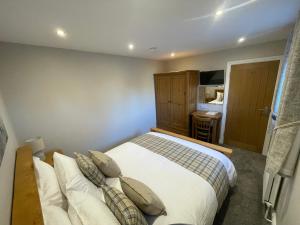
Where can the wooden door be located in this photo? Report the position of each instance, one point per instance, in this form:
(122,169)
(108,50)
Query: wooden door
(163,100)
(178,100)
(250,96)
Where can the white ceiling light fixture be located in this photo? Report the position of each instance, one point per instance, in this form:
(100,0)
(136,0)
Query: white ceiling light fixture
(219,12)
(61,33)
(172,54)
(241,39)
(130,46)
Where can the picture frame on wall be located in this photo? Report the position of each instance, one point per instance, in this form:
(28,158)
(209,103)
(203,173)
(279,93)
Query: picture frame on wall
(3,139)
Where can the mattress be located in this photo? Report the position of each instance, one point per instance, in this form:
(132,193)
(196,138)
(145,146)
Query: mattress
(188,197)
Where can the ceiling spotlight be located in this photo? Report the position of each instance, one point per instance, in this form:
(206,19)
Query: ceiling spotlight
(61,33)
(172,54)
(219,13)
(130,46)
(241,39)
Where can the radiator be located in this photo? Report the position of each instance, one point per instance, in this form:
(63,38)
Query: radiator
(271,185)
(271,189)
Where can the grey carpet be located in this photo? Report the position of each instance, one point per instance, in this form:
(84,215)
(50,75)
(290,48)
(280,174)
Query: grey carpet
(244,206)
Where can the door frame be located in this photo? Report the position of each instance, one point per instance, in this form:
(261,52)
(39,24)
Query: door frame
(227,85)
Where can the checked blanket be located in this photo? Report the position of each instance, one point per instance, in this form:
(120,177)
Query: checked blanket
(207,167)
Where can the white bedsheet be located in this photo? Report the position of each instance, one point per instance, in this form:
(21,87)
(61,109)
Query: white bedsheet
(188,198)
(216,102)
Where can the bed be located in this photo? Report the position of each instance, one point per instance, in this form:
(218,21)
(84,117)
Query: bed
(219,97)
(190,195)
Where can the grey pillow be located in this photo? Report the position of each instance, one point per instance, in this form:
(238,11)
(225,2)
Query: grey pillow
(123,209)
(89,169)
(142,196)
(105,163)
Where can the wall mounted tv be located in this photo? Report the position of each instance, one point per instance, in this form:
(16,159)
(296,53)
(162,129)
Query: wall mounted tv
(215,77)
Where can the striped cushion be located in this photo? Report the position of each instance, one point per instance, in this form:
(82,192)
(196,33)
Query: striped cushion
(89,169)
(125,211)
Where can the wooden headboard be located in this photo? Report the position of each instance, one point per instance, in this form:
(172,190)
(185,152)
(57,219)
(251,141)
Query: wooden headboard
(26,208)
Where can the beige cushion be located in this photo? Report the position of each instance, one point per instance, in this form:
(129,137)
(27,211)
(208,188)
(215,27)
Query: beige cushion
(105,163)
(142,196)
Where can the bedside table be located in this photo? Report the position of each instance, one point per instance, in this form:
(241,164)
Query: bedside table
(49,156)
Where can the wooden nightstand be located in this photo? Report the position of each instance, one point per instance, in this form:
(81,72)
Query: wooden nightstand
(49,156)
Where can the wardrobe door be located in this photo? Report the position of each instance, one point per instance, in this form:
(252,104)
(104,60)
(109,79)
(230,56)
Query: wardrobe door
(178,100)
(163,100)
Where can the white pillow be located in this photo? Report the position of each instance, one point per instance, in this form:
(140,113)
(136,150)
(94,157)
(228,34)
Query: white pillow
(74,218)
(220,96)
(71,178)
(54,215)
(48,187)
(90,210)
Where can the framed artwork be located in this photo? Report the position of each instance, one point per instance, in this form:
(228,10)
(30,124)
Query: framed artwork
(3,140)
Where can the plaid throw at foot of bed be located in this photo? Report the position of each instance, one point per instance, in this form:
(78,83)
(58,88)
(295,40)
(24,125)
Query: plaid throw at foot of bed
(207,167)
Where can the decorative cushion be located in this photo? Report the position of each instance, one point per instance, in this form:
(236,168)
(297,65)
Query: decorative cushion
(142,196)
(89,169)
(124,209)
(105,163)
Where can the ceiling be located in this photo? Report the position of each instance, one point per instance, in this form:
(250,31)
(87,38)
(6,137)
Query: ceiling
(186,27)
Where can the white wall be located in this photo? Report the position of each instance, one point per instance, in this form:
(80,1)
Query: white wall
(218,61)
(77,100)
(7,168)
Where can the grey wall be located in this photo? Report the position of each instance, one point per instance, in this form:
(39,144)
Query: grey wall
(218,60)
(76,100)
(7,168)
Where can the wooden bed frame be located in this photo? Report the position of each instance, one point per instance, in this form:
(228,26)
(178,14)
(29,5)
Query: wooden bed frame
(224,150)
(26,208)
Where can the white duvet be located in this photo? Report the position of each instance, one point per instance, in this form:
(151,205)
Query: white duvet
(188,198)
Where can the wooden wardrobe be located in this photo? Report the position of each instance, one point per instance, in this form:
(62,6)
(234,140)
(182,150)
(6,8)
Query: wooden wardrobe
(176,99)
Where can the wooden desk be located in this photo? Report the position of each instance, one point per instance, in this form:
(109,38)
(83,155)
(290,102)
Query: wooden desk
(216,124)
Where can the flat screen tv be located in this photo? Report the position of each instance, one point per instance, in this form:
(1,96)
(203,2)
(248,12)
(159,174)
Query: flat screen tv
(215,77)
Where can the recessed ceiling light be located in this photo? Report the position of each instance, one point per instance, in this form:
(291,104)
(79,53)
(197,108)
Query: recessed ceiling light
(61,33)
(241,39)
(172,54)
(219,12)
(130,46)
